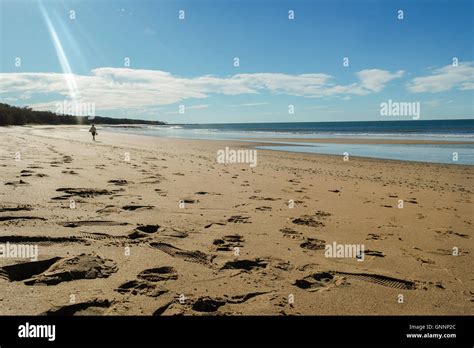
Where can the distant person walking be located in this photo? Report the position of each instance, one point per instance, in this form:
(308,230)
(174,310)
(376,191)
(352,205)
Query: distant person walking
(93,130)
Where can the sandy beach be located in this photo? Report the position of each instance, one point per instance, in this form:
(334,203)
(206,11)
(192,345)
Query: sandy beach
(136,225)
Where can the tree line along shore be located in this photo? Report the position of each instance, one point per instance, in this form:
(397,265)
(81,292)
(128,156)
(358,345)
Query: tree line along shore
(19,116)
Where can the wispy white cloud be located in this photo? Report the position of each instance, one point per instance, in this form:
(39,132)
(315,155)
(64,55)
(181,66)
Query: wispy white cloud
(438,102)
(433,103)
(374,80)
(246,104)
(449,77)
(121,88)
(199,106)
(316,107)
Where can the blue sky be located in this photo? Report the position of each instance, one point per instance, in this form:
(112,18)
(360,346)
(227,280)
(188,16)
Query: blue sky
(283,62)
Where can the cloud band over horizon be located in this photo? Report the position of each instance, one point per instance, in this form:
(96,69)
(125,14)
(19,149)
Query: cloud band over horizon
(124,88)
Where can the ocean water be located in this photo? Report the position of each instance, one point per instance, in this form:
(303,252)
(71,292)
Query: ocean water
(456,130)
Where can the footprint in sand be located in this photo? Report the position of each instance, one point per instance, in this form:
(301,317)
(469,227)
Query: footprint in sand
(206,193)
(189,200)
(147,228)
(161,193)
(209,304)
(9,218)
(215,223)
(118,182)
(312,220)
(56,270)
(15,207)
(83,266)
(26,270)
(375,236)
(138,287)
(374,253)
(137,207)
(246,265)
(449,252)
(158,274)
(108,209)
(67,159)
(145,284)
(260,198)
(16,183)
(92,307)
(143,231)
(83,192)
(322,280)
(102,236)
(191,256)
(263,208)
(74,224)
(172,232)
(291,233)
(26,172)
(229,242)
(449,233)
(239,219)
(41,240)
(319,281)
(307,220)
(313,244)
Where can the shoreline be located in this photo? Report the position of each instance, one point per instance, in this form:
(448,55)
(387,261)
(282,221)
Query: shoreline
(365,141)
(254,143)
(371,158)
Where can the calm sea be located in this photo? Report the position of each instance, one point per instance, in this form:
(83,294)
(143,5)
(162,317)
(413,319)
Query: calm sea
(459,130)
